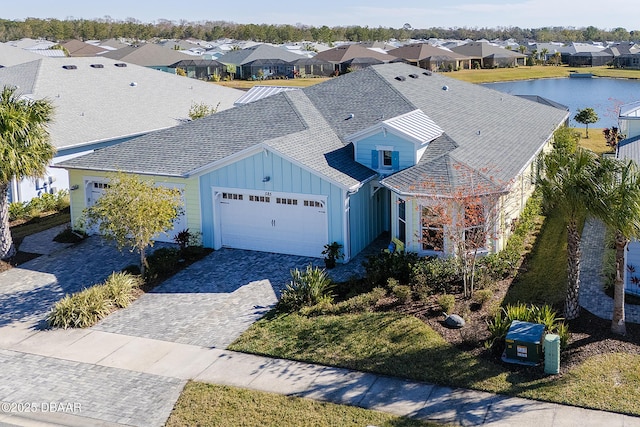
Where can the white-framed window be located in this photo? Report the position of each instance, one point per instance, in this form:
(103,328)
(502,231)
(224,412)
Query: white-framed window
(474,227)
(402,221)
(431,230)
(386,161)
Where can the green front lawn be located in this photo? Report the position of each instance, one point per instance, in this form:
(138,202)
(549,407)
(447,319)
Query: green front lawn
(215,405)
(399,345)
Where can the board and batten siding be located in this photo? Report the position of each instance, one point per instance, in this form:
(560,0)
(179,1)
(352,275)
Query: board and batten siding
(368,216)
(191,193)
(251,173)
(406,149)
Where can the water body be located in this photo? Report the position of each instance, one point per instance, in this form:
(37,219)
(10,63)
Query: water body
(604,95)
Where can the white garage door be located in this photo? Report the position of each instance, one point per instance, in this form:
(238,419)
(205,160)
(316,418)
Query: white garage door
(273,222)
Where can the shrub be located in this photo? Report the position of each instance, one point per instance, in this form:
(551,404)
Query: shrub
(434,275)
(498,328)
(85,308)
(398,265)
(446,303)
(498,266)
(518,312)
(307,288)
(545,315)
(119,287)
(43,203)
(194,253)
(402,293)
(392,283)
(362,302)
(562,329)
(162,263)
(182,238)
(18,210)
(482,296)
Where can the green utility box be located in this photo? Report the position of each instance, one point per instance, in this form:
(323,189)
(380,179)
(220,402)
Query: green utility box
(524,343)
(551,354)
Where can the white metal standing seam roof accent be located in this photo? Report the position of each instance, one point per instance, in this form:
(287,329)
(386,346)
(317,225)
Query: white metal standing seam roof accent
(416,125)
(261,91)
(630,110)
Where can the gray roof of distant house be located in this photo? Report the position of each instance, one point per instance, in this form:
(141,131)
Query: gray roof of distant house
(483,50)
(10,55)
(489,136)
(261,51)
(147,55)
(344,53)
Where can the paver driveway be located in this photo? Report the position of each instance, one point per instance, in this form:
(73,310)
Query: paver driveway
(211,302)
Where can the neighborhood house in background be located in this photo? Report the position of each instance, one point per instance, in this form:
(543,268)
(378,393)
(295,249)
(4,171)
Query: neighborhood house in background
(100,102)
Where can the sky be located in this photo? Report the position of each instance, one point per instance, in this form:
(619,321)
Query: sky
(373,13)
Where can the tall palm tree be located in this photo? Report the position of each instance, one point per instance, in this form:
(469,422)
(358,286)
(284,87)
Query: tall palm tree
(544,53)
(572,183)
(623,216)
(25,150)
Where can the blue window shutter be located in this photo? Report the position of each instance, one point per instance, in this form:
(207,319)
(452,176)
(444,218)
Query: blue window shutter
(374,159)
(395,160)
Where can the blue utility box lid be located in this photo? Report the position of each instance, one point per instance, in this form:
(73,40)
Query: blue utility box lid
(525,331)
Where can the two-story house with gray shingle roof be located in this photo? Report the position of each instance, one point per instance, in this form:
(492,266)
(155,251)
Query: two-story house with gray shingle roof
(100,102)
(344,160)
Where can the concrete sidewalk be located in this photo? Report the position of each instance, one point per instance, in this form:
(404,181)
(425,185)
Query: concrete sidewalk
(172,364)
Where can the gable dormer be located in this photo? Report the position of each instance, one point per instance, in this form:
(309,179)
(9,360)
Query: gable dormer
(396,143)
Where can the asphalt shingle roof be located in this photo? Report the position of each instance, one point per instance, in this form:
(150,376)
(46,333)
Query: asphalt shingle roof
(489,137)
(346,52)
(261,51)
(10,55)
(99,104)
(147,55)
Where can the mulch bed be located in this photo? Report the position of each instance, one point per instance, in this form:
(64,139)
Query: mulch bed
(590,335)
(16,260)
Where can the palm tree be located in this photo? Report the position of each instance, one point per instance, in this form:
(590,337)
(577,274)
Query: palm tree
(25,150)
(623,216)
(572,184)
(557,56)
(534,56)
(544,53)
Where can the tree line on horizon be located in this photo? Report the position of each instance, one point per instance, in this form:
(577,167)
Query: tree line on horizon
(106,28)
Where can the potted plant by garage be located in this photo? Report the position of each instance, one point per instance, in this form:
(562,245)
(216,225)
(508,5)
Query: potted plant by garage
(332,252)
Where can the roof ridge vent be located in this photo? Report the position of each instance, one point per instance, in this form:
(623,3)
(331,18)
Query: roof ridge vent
(70,67)
(414,76)
(400,78)
(97,66)
(120,64)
